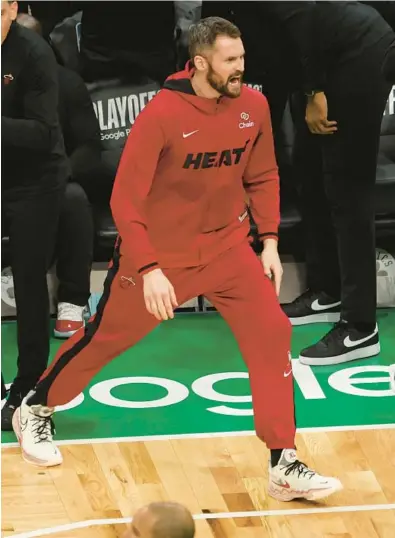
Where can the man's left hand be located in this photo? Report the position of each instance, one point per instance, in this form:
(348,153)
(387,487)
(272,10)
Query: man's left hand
(317,115)
(272,264)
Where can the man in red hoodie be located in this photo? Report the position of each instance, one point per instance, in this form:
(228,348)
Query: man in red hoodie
(179,204)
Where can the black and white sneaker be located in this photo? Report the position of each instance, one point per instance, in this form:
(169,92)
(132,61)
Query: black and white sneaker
(341,344)
(313,307)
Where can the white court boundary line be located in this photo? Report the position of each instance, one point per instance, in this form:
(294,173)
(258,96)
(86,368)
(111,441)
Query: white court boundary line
(247,433)
(219,515)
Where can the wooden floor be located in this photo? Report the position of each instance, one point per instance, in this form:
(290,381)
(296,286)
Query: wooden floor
(212,475)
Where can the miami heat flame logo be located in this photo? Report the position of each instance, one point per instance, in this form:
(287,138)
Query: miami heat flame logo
(8,78)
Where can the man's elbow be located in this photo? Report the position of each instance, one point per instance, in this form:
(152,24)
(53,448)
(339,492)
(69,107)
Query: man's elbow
(26,134)
(42,138)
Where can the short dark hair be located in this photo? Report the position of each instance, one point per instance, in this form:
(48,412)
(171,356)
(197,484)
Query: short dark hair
(203,34)
(172,519)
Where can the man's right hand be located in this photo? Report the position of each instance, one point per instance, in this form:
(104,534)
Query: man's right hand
(159,295)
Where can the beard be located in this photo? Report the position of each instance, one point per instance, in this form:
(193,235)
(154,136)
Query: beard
(225,87)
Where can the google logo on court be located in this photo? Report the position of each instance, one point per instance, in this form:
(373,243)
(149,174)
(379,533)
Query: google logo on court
(347,380)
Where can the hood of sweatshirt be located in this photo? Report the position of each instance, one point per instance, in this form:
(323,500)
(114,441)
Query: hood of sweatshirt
(180,82)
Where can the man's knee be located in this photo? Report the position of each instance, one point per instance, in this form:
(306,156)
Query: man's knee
(273,325)
(280,326)
(74,196)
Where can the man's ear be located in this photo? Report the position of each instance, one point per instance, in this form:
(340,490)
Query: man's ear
(200,63)
(14,10)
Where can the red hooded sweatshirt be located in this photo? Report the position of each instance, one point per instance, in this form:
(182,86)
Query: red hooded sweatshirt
(179,194)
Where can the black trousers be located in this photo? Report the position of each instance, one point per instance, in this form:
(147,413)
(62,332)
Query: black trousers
(337,175)
(277,93)
(3,389)
(32,219)
(74,246)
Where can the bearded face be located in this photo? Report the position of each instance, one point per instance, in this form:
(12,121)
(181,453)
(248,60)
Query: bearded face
(229,85)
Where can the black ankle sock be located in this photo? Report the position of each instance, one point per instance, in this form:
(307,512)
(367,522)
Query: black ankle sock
(34,399)
(275,456)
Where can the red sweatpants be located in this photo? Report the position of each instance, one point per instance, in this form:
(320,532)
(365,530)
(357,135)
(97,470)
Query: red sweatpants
(235,284)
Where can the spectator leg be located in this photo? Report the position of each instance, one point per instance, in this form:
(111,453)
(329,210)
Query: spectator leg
(322,263)
(350,162)
(74,246)
(33,221)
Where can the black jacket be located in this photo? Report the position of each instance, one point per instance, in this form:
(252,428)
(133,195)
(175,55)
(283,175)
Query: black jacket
(386,10)
(80,127)
(389,64)
(33,152)
(128,39)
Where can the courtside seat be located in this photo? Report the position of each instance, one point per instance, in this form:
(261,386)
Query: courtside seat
(385,192)
(65,39)
(117,103)
(385,177)
(5,249)
(105,233)
(290,215)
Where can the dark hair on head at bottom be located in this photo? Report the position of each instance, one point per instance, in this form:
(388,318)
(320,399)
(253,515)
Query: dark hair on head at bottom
(172,519)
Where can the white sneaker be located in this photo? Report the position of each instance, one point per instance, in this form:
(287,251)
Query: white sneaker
(33,428)
(392,377)
(70,319)
(7,287)
(291,479)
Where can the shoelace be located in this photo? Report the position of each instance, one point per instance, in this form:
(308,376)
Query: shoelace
(42,428)
(70,312)
(300,468)
(338,330)
(306,297)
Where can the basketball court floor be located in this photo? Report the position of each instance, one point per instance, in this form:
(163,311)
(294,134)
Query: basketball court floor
(171,419)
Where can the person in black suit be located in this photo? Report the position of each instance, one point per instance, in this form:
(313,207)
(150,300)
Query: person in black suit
(74,245)
(34,173)
(330,55)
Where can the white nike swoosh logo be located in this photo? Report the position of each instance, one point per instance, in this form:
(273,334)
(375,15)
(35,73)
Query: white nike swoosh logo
(317,307)
(185,135)
(243,216)
(352,343)
(286,374)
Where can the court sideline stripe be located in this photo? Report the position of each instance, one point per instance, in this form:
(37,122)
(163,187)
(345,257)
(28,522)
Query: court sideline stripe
(106,440)
(220,515)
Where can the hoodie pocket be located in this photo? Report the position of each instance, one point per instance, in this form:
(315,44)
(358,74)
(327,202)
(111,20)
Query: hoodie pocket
(224,207)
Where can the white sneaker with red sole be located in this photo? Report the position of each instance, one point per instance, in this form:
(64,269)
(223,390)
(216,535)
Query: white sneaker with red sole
(33,428)
(70,319)
(291,479)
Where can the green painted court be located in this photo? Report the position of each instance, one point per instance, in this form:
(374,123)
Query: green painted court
(188,377)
